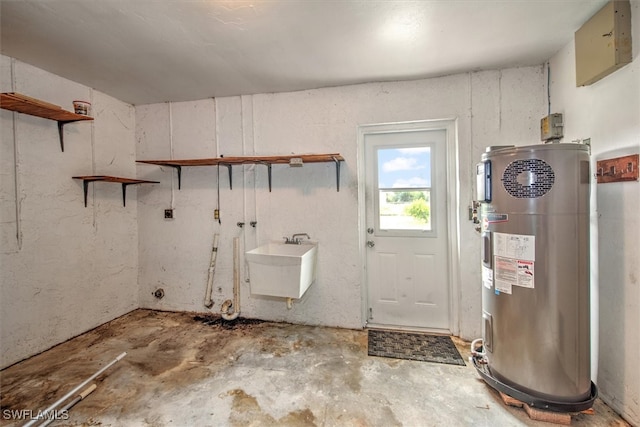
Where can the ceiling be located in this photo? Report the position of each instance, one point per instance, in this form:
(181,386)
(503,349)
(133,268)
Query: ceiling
(148,51)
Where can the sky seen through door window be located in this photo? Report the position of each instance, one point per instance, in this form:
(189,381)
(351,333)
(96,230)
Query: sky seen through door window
(404,167)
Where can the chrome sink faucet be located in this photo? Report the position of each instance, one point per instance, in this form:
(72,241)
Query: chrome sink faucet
(296,238)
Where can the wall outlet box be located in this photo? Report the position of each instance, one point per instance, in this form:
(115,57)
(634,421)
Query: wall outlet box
(168,214)
(603,43)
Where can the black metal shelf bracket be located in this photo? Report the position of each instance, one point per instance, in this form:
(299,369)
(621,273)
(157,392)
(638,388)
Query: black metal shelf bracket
(268,165)
(61,124)
(85,187)
(178,169)
(337,173)
(229,167)
(124,193)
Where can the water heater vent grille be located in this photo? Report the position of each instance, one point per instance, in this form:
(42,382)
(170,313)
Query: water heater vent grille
(528,179)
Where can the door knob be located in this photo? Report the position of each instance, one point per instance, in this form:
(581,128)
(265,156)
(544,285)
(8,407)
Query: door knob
(371,243)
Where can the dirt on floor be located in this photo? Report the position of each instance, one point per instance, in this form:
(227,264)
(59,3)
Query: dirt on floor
(165,353)
(184,369)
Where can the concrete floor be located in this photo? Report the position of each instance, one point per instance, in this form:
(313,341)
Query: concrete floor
(182,372)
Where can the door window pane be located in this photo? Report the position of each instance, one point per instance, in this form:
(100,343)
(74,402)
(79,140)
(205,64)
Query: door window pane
(404,188)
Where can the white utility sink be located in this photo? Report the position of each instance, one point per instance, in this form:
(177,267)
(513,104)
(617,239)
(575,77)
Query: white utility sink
(282,270)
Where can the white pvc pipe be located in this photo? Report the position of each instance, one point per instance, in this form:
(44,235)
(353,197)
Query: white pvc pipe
(43,414)
(236,284)
(474,347)
(84,393)
(232,316)
(208,302)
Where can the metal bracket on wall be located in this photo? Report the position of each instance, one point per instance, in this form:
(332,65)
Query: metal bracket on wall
(229,167)
(268,165)
(124,181)
(124,191)
(178,169)
(85,185)
(61,124)
(337,162)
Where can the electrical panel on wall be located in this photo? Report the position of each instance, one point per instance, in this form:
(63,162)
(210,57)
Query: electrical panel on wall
(603,43)
(551,128)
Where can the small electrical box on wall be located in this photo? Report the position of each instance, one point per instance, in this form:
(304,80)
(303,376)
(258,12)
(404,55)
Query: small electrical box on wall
(551,128)
(603,43)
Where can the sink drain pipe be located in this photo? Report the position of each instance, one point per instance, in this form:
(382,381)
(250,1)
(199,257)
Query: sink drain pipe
(208,302)
(235,305)
(47,412)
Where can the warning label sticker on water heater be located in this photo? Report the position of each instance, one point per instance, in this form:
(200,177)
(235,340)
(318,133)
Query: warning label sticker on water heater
(514,260)
(487,277)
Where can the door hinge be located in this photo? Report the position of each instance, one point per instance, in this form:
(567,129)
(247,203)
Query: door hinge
(370,313)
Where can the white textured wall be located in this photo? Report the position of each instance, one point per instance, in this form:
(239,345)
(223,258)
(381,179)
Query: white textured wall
(72,268)
(608,112)
(496,107)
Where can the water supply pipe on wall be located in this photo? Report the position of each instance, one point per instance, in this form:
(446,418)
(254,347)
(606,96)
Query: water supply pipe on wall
(208,302)
(235,305)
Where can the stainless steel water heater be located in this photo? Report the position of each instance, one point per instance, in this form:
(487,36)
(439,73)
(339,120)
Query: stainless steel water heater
(534,218)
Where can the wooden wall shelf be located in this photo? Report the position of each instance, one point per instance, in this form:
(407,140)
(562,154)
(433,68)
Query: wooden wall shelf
(244,160)
(23,104)
(124,181)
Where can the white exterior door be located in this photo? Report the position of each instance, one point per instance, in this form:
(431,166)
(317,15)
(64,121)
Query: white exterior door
(407,250)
